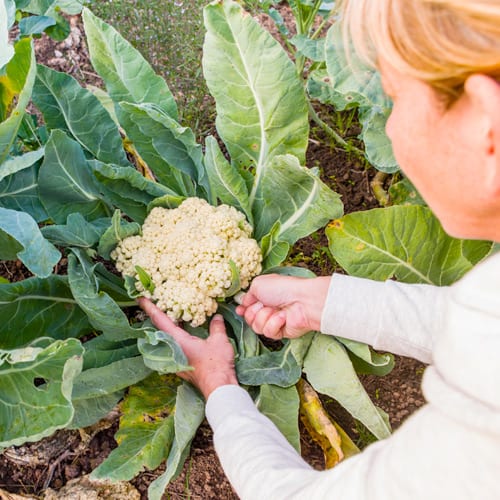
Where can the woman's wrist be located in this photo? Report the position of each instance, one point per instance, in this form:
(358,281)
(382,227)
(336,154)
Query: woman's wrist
(315,298)
(215,381)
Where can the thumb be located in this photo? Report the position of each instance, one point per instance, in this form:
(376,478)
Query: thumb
(217,327)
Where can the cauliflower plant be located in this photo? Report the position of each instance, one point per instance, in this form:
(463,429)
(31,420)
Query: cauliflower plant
(190,253)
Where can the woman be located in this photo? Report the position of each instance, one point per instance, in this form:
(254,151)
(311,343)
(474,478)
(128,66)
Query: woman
(440,64)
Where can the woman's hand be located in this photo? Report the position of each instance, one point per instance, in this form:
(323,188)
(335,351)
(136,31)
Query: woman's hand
(211,358)
(279,306)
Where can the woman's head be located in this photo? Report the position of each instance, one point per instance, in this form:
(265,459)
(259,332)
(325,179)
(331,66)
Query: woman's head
(440,65)
(440,42)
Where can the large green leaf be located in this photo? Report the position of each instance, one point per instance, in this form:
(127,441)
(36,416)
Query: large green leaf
(90,411)
(19,192)
(67,106)
(16,84)
(260,114)
(127,189)
(101,352)
(77,232)
(35,389)
(281,405)
(66,183)
(21,238)
(330,371)
(365,360)
(406,242)
(294,196)
(247,342)
(475,251)
(189,413)
(146,429)
(378,146)
(226,182)
(15,164)
(170,150)
(272,367)
(103,312)
(353,84)
(19,184)
(39,307)
(127,75)
(161,353)
(108,379)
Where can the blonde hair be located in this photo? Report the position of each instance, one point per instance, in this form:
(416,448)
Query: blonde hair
(441,42)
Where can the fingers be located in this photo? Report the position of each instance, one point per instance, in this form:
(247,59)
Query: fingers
(247,299)
(161,320)
(251,311)
(269,322)
(274,327)
(266,321)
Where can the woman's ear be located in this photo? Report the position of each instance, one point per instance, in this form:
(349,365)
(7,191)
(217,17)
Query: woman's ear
(483,93)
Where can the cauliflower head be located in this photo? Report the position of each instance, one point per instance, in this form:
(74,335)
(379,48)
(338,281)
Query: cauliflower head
(190,253)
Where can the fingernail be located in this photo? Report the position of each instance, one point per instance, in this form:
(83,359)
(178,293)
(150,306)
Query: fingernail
(218,317)
(257,306)
(238,298)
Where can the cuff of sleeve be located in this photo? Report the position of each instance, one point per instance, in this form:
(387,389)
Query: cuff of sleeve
(339,317)
(226,400)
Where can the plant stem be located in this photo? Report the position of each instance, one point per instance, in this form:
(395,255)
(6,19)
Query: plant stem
(334,135)
(377,185)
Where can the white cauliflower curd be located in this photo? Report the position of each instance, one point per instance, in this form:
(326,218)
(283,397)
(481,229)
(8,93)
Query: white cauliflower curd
(190,253)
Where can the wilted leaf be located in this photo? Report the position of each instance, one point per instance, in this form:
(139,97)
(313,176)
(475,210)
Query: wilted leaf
(334,442)
(146,429)
(16,84)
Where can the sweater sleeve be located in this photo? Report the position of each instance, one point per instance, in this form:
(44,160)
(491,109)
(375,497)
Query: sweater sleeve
(390,316)
(261,464)
(447,449)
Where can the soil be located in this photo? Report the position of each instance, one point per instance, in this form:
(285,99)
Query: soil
(58,464)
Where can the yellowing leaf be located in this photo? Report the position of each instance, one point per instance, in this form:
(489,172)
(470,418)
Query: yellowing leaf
(334,442)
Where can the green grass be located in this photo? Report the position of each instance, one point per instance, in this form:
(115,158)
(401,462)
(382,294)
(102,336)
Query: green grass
(169,34)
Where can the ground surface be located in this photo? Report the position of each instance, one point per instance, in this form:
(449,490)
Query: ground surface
(42,469)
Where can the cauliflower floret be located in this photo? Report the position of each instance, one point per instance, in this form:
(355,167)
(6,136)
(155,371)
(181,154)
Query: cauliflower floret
(187,252)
